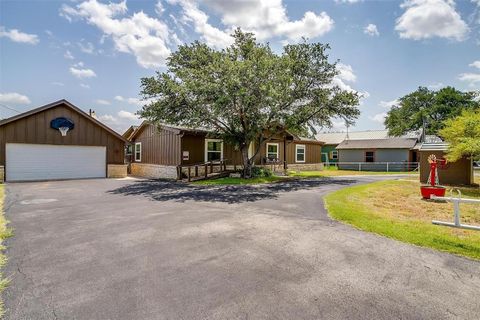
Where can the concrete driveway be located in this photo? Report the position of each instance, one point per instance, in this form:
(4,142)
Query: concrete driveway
(119,249)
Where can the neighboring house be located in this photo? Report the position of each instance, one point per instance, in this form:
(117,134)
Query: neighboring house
(459,172)
(400,152)
(32,146)
(373,147)
(333,139)
(158,151)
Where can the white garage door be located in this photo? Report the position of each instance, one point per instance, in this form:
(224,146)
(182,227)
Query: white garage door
(29,162)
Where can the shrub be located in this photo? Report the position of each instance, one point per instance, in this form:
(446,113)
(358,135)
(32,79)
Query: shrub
(261,172)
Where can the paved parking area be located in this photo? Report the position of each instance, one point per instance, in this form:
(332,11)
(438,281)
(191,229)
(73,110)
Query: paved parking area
(127,249)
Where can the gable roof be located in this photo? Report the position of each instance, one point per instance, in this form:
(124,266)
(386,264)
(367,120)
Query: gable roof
(129,132)
(338,137)
(390,143)
(56,104)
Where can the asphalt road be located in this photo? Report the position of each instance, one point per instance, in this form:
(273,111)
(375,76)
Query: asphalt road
(117,249)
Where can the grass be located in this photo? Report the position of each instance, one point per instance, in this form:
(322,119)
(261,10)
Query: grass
(395,209)
(239,181)
(333,171)
(5,232)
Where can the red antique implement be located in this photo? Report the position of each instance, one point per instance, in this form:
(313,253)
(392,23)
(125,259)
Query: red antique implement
(433,187)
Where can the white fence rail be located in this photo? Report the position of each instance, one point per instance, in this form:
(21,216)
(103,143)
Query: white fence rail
(402,166)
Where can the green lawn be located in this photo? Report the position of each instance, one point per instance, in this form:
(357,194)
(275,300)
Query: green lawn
(5,232)
(238,181)
(395,209)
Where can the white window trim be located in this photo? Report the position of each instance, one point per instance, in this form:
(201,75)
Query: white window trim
(273,144)
(139,159)
(206,148)
(335,152)
(300,146)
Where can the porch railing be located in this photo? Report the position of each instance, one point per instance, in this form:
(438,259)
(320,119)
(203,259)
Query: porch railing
(192,170)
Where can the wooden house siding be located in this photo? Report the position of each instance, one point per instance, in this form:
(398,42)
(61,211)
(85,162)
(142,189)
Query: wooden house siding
(35,129)
(159,146)
(313,152)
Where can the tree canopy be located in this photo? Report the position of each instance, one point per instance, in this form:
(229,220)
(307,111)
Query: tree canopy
(463,135)
(429,108)
(245,92)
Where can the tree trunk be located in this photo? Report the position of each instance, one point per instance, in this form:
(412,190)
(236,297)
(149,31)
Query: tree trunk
(247,165)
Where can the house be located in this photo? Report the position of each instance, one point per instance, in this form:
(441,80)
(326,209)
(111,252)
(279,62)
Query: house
(400,153)
(371,150)
(59,141)
(460,172)
(333,139)
(159,150)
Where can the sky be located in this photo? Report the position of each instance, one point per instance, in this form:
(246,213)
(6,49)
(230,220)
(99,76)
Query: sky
(94,53)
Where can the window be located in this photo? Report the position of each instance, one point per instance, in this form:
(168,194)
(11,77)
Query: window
(272,151)
(369,156)
(213,150)
(300,153)
(129,150)
(334,154)
(138,151)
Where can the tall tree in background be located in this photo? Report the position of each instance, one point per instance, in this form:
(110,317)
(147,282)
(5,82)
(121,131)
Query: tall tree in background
(463,135)
(429,108)
(248,93)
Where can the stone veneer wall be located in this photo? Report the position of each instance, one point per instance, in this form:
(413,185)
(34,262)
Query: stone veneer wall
(153,171)
(2,174)
(116,170)
(306,166)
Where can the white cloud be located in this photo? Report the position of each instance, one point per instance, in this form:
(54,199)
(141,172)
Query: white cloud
(388,104)
(18,36)
(265,18)
(14,98)
(159,9)
(127,115)
(425,19)
(86,47)
(379,117)
(68,55)
(345,75)
(371,30)
(144,37)
(121,121)
(82,73)
(85,86)
(102,102)
(346,72)
(471,78)
(132,101)
(436,86)
(475,64)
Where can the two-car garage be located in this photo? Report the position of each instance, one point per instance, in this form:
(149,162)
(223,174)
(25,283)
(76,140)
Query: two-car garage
(33,146)
(27,162)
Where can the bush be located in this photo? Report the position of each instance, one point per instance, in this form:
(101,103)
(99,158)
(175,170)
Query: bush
(261,172)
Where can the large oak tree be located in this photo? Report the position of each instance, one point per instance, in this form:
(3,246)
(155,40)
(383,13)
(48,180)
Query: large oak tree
(429,109)
(247,92)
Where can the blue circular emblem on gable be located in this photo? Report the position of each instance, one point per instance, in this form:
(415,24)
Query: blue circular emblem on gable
(62,122)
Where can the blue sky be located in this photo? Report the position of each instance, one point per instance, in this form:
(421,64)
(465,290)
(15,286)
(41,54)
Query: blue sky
(93,53)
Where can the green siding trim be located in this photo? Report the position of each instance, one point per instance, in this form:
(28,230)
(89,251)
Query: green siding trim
(326,152)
